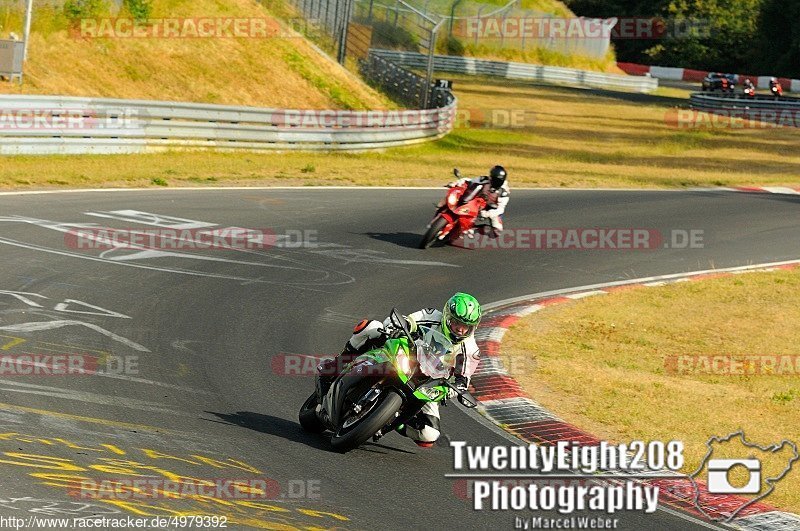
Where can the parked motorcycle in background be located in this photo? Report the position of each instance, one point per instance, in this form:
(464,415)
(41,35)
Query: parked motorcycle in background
(749,89)
(775,88)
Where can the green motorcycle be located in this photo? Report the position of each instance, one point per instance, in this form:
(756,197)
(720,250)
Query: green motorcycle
(384,388)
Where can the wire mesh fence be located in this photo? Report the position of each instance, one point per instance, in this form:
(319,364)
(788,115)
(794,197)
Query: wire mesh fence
(491,27)
(357,26)
(398,25)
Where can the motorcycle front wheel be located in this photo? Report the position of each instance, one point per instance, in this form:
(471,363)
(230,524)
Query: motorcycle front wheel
(309,420)
(430,235)
(350,437)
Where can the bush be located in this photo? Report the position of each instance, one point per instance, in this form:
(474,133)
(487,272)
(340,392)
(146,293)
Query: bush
(77,9)
(139,9)
(387,35)
(454,46)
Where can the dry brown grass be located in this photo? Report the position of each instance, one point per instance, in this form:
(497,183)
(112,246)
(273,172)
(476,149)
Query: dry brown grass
(600,364)
(266,72)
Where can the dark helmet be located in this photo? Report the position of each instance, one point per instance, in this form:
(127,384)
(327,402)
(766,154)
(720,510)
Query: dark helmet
(498,176)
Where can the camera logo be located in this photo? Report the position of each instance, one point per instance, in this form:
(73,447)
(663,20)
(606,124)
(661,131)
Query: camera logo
(719,471)
(740,473)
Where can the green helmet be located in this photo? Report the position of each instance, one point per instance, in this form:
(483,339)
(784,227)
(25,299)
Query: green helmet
(460,317)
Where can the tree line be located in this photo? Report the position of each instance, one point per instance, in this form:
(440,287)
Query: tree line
(760,37)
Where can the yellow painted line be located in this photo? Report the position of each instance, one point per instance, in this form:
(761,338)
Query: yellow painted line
(68,348)
(14,341)
(105,422)
(73,347)
(71,351)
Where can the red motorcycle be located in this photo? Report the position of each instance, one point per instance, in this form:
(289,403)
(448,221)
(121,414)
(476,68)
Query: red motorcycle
(776,88)
(455,215)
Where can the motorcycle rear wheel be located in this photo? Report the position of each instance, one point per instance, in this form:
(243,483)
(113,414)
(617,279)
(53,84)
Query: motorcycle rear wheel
(380,415)
(433,231)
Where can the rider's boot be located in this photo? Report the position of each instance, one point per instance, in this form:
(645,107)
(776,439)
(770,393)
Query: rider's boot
(418,425)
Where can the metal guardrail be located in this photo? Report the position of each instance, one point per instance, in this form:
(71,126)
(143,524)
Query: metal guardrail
(785,111)
(759,102)
(70,125)
(522,71)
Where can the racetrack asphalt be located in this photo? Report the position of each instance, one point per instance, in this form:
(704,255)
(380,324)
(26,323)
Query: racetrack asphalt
(209,330)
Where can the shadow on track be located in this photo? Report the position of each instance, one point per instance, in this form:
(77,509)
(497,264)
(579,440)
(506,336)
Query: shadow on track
(409,240)
(271,425)
(289,430)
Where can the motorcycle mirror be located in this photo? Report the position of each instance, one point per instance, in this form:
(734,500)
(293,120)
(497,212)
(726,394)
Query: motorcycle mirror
(456,173)
(400,322)
(467,401)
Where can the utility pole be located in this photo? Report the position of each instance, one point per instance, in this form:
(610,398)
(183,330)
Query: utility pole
(348,8)
(27,33)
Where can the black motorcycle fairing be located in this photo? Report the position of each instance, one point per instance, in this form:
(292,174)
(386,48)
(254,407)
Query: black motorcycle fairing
(355,383)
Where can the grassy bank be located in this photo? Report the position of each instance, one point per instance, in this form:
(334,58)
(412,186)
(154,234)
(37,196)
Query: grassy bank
(608,365)
(269,71)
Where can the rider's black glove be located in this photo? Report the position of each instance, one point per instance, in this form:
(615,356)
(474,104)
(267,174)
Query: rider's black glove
(460,385)
(390,332)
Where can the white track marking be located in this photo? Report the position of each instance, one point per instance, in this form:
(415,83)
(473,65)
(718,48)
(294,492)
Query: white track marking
(374,257)
(155,220)
(133,379)
(673,277)
(38,326)
(20,296)
(83,396)
(781,190)
(244,280)
(63,307)
(585,294)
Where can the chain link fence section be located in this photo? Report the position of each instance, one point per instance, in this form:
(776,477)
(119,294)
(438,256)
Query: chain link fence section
(404,85)
(489,26)
(525,30)
(398,25)
(332,16)
(357,26)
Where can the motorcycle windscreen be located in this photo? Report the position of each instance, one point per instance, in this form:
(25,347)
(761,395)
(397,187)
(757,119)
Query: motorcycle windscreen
(435,353)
